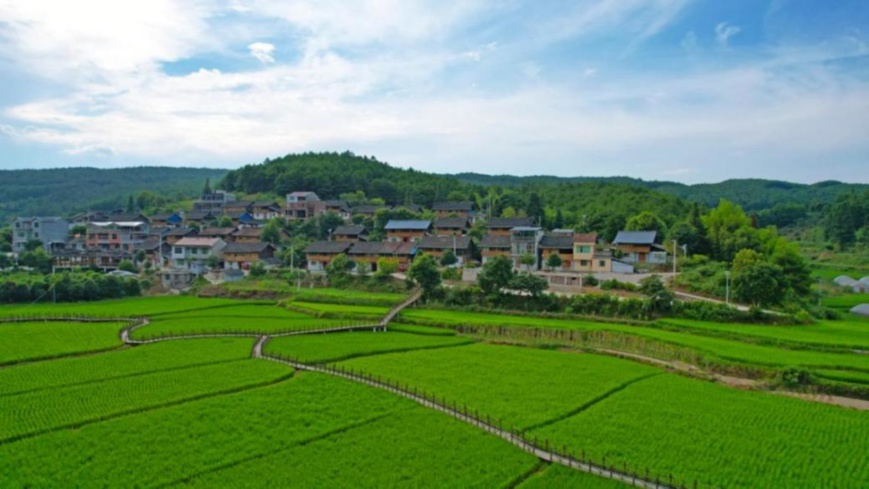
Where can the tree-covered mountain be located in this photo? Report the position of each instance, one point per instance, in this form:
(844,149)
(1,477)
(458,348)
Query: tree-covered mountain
(333,174)
(753,195)
(65,191)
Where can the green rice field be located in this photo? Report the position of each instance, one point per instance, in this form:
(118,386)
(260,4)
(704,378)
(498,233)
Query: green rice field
(341,346)
(30,341)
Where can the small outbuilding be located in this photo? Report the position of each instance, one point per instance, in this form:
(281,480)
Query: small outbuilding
(861,310)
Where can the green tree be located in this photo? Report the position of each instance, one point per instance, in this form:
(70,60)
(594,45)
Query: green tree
(535,206)
(32,245)
(338,270)
(37,259)
(424,271)
(647,221)
(131,205)
(553,261)
(224,222)
(756,281)
(558,222)
(659,296)
(128,266)
(528,260)
(495,275)
(385,268)
(528,283)
(449,258)
(729,230)
(272,232)
(207,189)
(257,269)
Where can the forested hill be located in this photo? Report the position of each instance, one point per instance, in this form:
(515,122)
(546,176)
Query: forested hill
(333,174)
(751,194)
(64,191)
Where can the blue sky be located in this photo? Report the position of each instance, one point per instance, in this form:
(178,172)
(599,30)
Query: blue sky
(692,91)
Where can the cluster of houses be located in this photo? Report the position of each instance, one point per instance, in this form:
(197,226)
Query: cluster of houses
(513,238)
(182,245)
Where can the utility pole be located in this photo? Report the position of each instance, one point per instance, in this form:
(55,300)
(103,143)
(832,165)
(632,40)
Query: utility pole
(675,255)
(727,287)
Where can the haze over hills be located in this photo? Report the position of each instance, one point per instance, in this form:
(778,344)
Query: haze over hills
(65,191)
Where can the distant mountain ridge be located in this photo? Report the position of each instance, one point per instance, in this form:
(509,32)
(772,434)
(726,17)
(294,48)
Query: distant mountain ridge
(64,191)
(752,194)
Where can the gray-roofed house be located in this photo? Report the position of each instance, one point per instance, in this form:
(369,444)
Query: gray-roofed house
(350,233)
(402,231)
(265,210)
(438,245)
(501,226)
(369,209)
(451,226)
(320,253)
(640,247)
(559,244)
(52,232)
(300,205)
(494,245)
(861,310)
(240,256)
(454,209)
(366,254)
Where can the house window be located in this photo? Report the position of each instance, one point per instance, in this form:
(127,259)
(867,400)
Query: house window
(583,249)
(602,263)
(36,224)
(176,250)
(583,263)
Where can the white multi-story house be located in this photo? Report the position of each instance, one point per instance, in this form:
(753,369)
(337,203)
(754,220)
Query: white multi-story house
(50,231)
(193,253)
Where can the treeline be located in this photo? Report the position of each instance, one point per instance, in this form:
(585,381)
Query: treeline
(64,191)
(753,195)
(66,287)
(846,222)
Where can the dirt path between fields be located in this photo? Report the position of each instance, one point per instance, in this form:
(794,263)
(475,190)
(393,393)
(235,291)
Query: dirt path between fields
(738,382)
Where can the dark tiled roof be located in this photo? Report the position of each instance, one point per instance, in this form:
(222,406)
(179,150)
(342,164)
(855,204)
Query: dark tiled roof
(181,232)
(249,232)
(206,232)
(266,203)
(349,231)
(247,247)
(453,206)
(585,238)
(327,247)
(340,204)
(444,242)
(636,237)
(415,225)
(383,248)
(495,242)
(509,222)
(199,216)
(554,241)
(451,223)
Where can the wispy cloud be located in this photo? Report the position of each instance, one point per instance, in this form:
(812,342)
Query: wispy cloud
(262,51)
(419,83)
(724,31)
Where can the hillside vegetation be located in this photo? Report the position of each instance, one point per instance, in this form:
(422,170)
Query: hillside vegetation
(63,191)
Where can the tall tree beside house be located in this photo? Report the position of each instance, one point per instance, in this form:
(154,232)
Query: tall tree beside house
(338,270)
(424,271)
(756,281)
(449,258)
(495,275)
(558,223)
(728,230)
(528,283)
(272,232)
(131,205)
(535,207)
(553,261)
(646,221)
(528,260)
(207,189)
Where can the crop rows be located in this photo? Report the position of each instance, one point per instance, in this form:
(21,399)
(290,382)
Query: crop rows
(121,363)
(334,347)
(36,412)
(523,387)
(724,349)
(168,326)
(295,433)
(847,334)
(38,340)
(134,306)
(723,437)
(558,477)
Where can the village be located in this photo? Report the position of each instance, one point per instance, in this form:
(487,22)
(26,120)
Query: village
(222,238)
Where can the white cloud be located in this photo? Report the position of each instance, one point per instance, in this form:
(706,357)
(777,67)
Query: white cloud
(724,31)
(262,51)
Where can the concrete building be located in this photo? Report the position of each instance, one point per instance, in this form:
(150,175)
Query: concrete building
(52,232)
